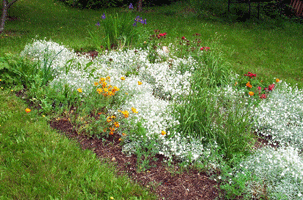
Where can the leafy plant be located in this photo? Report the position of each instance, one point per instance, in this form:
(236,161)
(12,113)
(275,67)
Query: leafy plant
(118,31)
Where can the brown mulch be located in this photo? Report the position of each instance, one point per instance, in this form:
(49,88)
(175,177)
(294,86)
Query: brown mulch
(166,182)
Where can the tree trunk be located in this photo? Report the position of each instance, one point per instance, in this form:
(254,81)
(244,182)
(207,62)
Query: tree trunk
(6,6)
(139,5)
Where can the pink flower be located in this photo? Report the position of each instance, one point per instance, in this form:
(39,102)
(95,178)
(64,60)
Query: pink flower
(259,88)
(202,48)
(183,38)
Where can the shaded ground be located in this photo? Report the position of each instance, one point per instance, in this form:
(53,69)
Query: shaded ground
(166,182)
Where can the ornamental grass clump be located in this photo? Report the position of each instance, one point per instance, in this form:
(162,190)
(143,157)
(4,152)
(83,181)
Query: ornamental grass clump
(117,31)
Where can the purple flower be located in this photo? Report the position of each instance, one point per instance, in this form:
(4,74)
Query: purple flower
(135,24)
(131,6)
(103,16)
(144,22)
(98,24)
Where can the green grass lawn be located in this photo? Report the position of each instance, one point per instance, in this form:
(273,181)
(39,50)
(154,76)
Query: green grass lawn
(37,162)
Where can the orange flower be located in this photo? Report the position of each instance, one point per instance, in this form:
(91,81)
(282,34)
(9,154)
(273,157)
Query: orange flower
(108,78)
(277,80)
(104,84)
(111,129)
(120,139)
(96,83)
(110,93)
(123,134)
(139,83)
(251,93)
(236,83)
(111,133)
(249,85)
(27,110)
(163,133)
(116,124)
(108,119)
(102,80)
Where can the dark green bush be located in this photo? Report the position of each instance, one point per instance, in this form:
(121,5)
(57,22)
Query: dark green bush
(96,4)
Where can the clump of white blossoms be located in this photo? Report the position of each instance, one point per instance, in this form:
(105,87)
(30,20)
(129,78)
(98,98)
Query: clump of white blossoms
(153,99)
(278,173)
(280,117)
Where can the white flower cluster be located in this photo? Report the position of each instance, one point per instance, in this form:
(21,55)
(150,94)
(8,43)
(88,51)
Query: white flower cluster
(161,84)
(279,172)
(281,116)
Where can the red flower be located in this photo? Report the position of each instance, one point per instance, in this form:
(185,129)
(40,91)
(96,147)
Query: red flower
(263,96)
(251,75)
(183,38)
(204,48)
(271,87)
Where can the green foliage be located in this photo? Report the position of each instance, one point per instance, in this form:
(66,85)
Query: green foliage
(117,31)
(207,114)
(16,71)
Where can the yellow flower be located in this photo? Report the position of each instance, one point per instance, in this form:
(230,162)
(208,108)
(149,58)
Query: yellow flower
(108,119)
(96,83)
(122,78)
(120,139)
(163,133)
(27,110)
(277,80)
(126,93)
(115,89)
(110,93)
(139,83)
(134,110)
(0,79)
(102,80)
(105,90)
(108,78)
(109,87)
(236,83)
(43,115)
(113,117)
(251,93)
(125,113)
(111,197)
(79,90)
(99,90)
